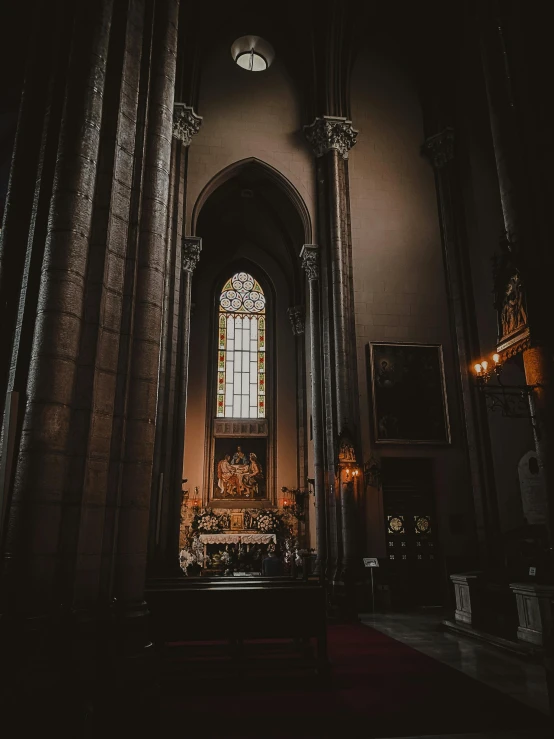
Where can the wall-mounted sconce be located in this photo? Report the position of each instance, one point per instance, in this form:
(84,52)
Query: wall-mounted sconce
(296,508)
(511,400)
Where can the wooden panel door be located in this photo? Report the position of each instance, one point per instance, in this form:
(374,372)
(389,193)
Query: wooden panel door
(412,564)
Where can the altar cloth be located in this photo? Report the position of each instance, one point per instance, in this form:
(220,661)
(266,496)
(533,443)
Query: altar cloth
(234,538)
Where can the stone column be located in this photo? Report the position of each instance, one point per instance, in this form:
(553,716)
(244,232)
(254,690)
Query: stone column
(296,315)
(332,138)
(525,265)
(440,151)
(36,505)
(46,43)
(191,249)
(136,471)
(166,480)
(310,263)
(524,261)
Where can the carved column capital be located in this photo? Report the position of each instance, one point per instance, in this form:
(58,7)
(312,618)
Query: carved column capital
(192,246)
(296,315)
(439,149)
(310,260)
(185,123)
(330,132)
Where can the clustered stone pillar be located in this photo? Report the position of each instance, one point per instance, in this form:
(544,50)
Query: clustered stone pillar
(331,138)
(440,150)
(136,476)
(527,235)
(528,251)
(296,314)
(168,456)
(191,249)
(91,302)
(310,262)
(35,508)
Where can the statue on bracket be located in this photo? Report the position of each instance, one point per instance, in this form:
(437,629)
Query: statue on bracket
(513,315)
(509,291)
(347,455)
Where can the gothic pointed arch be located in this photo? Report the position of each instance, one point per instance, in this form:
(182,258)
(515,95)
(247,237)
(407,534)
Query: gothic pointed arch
(272,174)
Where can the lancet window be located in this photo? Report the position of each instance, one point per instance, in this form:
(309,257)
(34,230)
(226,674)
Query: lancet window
(241,357)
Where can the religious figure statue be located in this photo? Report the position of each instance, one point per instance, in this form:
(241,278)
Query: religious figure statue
(513,314)
(346,450)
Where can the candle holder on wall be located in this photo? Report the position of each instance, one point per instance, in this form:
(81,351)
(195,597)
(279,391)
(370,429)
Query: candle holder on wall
(296,506)
(514,401)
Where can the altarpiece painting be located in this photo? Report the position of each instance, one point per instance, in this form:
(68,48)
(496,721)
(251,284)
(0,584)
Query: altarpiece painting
(408,390)
(240,466)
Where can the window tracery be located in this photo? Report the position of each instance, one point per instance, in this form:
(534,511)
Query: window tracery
(241,368)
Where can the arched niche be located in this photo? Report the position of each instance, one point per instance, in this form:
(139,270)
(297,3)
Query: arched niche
(251,218)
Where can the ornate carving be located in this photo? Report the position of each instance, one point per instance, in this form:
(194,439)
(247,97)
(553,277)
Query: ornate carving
(185,123)
(310,260)
(296,315)
(439,149)
(330,132)
(191,246)
(252,427)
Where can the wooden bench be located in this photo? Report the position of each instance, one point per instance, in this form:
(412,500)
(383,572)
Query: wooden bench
(236,611)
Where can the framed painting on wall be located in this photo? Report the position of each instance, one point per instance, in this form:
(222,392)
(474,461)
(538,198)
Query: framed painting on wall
(240,469)
(409,394)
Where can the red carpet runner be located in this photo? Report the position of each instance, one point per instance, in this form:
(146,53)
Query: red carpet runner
(378,688)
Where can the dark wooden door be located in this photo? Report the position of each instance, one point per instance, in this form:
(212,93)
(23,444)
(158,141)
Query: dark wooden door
(412,560)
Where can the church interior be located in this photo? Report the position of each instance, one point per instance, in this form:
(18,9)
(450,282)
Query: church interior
(276,369)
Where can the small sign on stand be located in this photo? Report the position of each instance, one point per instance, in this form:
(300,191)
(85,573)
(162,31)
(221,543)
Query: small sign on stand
(532,571)
(371,562)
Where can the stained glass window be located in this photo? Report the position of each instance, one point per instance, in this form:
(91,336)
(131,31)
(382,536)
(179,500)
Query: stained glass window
(241,375)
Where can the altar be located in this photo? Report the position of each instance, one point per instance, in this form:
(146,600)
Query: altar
(235,550)
(238,538)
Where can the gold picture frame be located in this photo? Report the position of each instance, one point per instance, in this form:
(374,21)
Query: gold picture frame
(408,392)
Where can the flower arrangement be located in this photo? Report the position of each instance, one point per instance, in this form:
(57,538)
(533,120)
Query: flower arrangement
(206,522)
(268,522)
(225,558)
(190,562)
(186,558)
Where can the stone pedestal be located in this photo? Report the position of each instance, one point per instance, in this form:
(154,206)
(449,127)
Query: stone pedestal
(534,610)
(464,585)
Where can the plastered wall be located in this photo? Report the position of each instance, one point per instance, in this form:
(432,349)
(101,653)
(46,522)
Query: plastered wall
(248,114)
(399,282)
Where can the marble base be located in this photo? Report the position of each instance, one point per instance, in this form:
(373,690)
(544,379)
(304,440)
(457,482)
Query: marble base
(463,589)
(534,607)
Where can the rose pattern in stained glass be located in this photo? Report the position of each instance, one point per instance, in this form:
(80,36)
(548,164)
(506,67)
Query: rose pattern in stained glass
(242,294)
(241,355)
